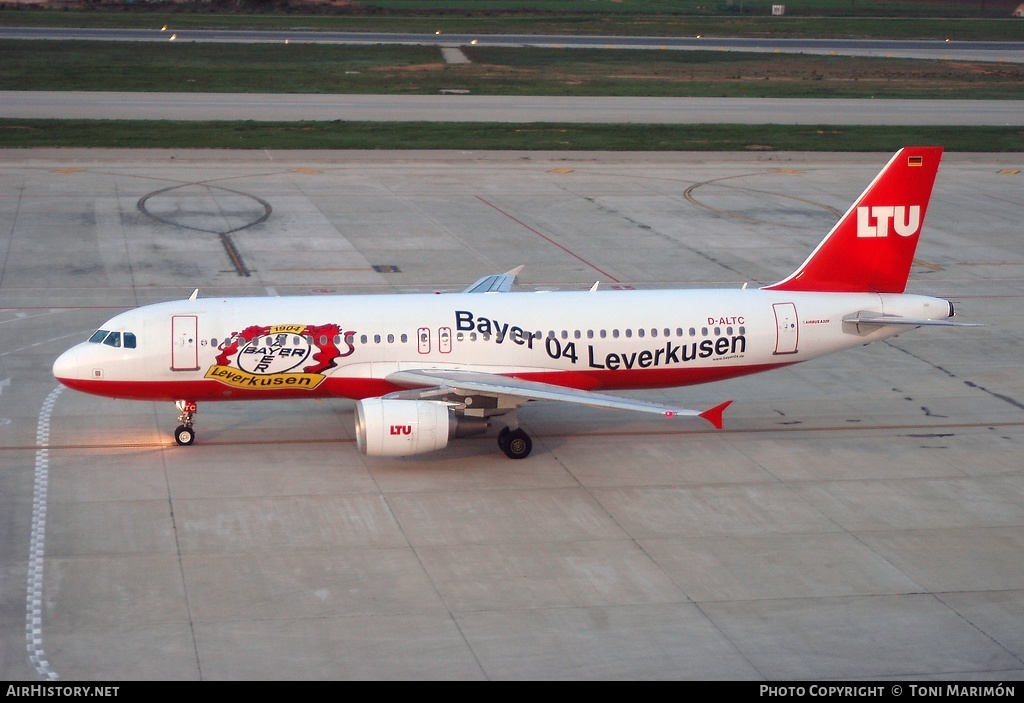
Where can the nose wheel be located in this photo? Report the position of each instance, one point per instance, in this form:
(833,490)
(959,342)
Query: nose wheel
(184,435)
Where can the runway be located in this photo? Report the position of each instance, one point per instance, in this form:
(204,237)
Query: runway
(500,108)
(951,48)
(860,516)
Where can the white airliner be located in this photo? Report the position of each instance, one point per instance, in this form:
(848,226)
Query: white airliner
(428,368)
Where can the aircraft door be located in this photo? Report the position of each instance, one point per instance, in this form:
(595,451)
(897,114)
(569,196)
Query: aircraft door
(423,340)
(444,340)
(184,343)
(787,328)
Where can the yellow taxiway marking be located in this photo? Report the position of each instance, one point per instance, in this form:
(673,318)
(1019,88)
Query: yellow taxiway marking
(933,267)
(340,268)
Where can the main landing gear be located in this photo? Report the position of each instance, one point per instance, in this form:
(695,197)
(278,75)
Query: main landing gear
(515,442)
(185,435)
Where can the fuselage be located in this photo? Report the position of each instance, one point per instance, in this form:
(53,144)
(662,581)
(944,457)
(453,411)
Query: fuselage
(347,346)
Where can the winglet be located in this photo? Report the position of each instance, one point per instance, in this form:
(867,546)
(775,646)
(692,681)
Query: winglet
(714,415)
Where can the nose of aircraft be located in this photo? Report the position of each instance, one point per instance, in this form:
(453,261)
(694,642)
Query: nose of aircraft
(67,365)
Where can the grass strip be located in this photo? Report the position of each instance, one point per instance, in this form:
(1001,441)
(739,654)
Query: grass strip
(420,70)
(17,133)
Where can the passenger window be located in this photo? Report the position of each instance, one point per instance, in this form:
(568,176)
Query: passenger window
(629,334)
(129,341)
(113,339)
(405,338)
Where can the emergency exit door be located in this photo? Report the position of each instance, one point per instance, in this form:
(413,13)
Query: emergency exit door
(184,343)
(787,328)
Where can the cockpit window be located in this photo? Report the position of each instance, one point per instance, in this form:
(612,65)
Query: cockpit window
(114,339)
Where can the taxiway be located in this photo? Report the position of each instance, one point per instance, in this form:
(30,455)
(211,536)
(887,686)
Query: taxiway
(861,516)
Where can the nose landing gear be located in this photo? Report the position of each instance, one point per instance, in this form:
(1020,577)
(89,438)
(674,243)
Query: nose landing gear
(184,435)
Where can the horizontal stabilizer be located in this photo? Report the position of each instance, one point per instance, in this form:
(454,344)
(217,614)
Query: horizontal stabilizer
(877,320)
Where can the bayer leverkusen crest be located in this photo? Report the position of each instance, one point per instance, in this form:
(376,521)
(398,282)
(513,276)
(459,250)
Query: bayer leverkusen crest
(279,356)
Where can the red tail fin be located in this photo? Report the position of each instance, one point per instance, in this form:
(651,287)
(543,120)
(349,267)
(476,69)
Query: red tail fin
(872,247)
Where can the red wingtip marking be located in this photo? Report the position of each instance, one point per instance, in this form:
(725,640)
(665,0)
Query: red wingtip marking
(714,415)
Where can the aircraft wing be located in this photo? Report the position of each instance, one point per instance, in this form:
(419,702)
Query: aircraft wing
(436,382)
(495,283)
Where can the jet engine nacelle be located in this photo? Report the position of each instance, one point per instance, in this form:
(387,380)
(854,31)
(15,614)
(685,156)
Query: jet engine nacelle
(389,427)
